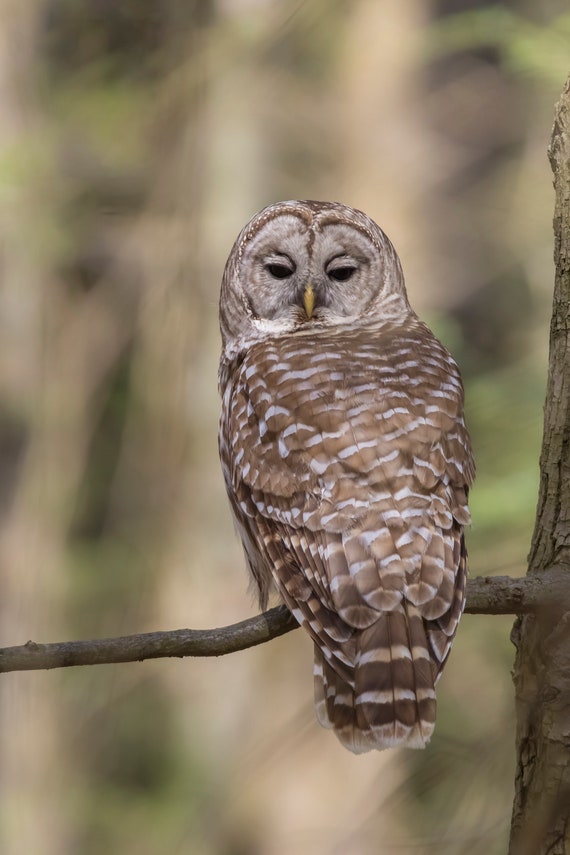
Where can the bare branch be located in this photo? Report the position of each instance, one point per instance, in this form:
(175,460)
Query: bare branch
(503,595)
(150,645)
(485,595)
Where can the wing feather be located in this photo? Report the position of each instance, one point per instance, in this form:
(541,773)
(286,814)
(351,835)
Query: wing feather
(352,492)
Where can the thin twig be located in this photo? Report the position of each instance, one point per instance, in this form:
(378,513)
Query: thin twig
(485,595)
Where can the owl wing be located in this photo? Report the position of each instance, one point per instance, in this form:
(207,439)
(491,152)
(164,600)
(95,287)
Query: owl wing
(349,470)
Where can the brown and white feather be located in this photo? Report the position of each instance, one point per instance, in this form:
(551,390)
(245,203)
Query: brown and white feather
(347,463)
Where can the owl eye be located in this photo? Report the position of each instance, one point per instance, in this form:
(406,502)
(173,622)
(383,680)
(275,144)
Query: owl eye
(342,274)
(279,271)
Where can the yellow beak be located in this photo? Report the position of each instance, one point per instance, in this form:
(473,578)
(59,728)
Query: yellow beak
(309,300)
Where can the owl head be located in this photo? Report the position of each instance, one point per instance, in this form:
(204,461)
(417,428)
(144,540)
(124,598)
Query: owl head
(299,267)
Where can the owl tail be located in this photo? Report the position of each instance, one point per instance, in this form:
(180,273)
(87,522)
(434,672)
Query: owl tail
(392,699)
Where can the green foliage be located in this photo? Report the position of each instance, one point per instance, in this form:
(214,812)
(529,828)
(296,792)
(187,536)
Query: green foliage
(109,116)
(538,50)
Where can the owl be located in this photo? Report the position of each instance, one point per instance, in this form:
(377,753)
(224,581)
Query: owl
(347,462)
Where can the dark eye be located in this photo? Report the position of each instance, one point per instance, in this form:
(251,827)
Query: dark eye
(279,271)
(341,274)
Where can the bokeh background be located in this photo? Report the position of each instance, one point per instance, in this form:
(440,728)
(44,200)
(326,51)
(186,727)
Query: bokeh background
(136,138)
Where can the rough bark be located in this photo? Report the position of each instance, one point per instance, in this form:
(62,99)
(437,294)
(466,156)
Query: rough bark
(541,810)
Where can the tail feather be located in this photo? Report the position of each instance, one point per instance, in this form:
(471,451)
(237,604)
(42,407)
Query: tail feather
(391,701)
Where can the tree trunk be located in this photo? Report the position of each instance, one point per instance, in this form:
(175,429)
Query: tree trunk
(541,811)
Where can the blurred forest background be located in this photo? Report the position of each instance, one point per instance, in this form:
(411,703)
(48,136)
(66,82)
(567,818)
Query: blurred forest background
(136,138)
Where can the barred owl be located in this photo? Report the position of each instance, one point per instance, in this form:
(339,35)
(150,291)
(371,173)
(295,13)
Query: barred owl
(347,462)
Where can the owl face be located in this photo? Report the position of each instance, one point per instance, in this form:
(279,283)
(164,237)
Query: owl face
(301,266)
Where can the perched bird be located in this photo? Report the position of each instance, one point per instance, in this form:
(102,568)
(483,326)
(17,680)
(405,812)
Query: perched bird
(347,462)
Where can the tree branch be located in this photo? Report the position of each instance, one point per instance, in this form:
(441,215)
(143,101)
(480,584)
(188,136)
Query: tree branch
(485,595)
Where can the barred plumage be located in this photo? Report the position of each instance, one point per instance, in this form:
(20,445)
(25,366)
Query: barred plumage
(347,462)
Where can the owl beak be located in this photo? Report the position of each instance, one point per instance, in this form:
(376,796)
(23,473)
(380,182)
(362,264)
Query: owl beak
(309,300)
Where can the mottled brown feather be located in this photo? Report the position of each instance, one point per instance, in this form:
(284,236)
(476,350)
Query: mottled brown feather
(348,463)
